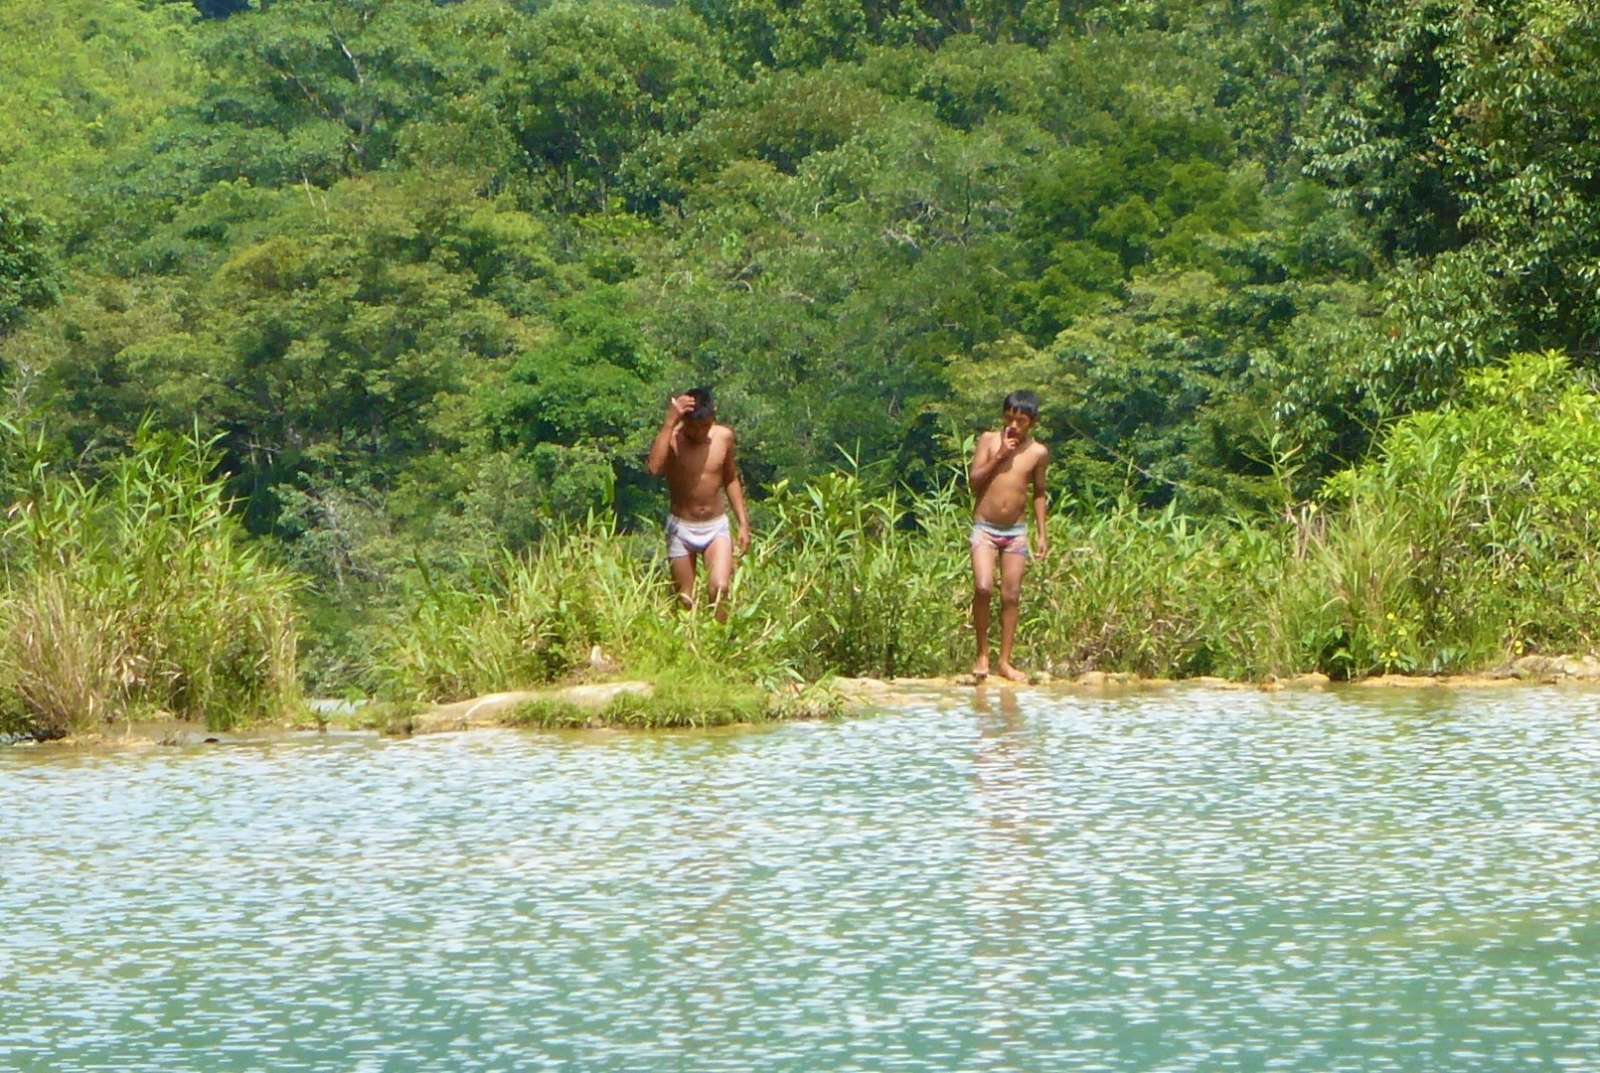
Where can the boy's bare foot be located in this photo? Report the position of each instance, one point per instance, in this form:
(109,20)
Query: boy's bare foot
(980,669)
(1011,674)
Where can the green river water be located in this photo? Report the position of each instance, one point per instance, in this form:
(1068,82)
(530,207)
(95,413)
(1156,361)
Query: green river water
(1180,880)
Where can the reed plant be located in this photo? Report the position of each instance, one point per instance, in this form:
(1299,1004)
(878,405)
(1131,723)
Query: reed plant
(136,593)
(523,619)
(856,581)
(1467,540)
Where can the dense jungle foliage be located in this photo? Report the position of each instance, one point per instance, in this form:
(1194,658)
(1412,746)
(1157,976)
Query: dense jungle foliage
(422,274)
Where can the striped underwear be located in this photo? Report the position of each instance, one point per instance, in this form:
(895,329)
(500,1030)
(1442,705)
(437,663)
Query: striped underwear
(1006,539)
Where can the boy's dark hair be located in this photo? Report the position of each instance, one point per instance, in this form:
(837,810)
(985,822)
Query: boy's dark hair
(1023,402)
(704,408)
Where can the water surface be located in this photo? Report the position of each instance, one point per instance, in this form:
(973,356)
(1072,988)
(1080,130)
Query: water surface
(1185,880)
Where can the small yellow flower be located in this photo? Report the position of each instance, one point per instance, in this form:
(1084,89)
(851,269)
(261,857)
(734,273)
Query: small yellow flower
(1390,616)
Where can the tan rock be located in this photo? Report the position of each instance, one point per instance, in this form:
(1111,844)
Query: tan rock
(1584,667)
(596,695)
(1479,681)
(858,687)
(927,683)
(492,709)
(1211,681)
(1553,668)
(1400,681)
(1534,667)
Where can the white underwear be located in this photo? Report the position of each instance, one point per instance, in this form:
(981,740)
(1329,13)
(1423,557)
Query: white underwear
(693,538)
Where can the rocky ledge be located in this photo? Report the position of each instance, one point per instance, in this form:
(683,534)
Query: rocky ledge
(868,692)
(855,694)
(494,709)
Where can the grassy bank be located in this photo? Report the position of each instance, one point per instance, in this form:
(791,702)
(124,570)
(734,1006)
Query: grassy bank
(1467,540)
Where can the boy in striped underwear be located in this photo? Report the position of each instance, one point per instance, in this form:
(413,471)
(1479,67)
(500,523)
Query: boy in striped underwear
(1004,464)
(696,456)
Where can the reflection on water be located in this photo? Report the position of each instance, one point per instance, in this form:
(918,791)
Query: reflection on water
(1188,880)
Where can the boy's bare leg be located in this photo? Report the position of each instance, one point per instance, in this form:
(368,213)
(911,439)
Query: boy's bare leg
(1011,569)
(719,574)
(683,580)
(983,557)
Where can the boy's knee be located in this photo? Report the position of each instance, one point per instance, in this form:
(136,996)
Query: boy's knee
(983,590)
(1010,595)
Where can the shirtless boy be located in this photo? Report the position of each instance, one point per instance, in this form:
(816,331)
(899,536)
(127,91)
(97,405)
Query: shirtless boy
(1003,465)
(695,455)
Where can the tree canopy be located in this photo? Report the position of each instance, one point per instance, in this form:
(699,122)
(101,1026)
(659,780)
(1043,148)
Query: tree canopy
(422,257)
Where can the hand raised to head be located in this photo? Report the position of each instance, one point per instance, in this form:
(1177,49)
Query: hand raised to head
(679,407)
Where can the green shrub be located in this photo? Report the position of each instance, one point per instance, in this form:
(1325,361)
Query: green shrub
(1475,525)
(140,592)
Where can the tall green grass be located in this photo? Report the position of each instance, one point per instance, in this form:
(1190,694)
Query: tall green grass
(848,581)
(1468,540)
(138,593)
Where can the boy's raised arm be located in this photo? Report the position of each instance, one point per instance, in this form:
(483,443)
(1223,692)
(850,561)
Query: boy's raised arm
(986,459)
(655,463)
(735,489)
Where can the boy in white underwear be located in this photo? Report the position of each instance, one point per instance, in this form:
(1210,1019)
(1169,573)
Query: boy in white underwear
(696,456)
(1004,464)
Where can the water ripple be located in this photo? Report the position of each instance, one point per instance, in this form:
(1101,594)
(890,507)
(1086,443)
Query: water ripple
(1183,881)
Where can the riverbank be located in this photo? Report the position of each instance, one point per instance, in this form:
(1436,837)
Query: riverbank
(1398,568)
(1529,670)
(638,704)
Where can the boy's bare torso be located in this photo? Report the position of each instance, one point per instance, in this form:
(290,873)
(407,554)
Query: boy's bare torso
(1004,499)
(696,474)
